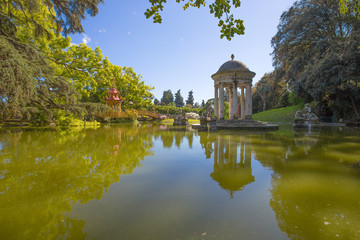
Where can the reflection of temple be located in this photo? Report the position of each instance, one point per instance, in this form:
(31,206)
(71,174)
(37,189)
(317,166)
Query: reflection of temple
(232,163)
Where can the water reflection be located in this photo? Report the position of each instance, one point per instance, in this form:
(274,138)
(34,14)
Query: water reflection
(43,173)
(170,134)
(315,189)
(232,162)
(312,188)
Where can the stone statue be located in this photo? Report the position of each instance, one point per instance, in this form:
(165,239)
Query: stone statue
(305,118)
(209,110)
(180,119)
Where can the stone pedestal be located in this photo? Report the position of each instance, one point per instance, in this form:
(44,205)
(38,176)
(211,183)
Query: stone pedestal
(180,120)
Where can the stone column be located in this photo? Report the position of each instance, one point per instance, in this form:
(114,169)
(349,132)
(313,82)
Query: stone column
(216,102)
(242,103)
(230,103)
(221,104)
(248,108)
(234,101)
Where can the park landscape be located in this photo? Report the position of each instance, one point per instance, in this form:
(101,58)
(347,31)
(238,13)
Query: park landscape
(208,143)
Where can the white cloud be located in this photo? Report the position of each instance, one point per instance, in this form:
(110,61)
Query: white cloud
(72,44)
(102,30)
(129,33)
(86,39)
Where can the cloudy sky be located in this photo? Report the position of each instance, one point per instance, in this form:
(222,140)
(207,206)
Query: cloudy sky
(185,50)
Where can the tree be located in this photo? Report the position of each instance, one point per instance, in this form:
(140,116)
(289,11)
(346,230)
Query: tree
(203,103)
(167,97)
(43,75)
(317,47)
(156,101)
(270,89)
(65,16)
(220,8)
(29,85)
(190,99)
(179,100)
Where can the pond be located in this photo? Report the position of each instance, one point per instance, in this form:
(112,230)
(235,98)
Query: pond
(159,182)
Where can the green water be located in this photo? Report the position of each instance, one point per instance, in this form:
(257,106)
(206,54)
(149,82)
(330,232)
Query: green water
(159,182)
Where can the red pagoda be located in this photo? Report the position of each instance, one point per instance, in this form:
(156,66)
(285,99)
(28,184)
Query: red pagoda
(114,101)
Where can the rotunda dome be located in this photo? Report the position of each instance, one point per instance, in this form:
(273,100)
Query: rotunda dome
(232,65)
(233,69)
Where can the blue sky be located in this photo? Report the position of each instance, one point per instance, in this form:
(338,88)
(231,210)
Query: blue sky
(185,50)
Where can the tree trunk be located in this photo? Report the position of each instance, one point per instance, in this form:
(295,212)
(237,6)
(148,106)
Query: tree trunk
(354,106)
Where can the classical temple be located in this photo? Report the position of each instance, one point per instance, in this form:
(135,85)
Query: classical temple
(233,75)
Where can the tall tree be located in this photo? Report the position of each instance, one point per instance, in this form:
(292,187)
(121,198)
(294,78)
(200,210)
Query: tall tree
(43,73)
(29,84)
(190,99)
(156,101)
(167,97)
(179,100)
(317,47)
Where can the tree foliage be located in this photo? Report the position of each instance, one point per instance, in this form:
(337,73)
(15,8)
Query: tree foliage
(271,92)
(219,8)
(317,47)
(42,73)
(167,97)
(179,100)
(348,5)
(190,99)
(65,16)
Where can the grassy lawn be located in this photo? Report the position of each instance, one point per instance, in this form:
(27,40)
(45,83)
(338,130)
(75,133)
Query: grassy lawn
(167,121)
(193,121)
(171,121)
(285,114)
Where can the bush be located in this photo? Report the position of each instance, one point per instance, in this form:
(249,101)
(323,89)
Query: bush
(133,114)
(295,100)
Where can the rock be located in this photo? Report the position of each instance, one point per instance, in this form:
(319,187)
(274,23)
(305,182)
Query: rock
(192,115)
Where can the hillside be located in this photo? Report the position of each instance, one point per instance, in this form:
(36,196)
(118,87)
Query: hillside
(285,114)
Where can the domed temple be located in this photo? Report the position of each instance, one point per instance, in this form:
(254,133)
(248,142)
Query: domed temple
(231,76)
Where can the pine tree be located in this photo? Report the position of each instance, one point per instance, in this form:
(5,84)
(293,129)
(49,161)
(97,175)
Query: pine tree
(167,97)
(179,100)
(190,99)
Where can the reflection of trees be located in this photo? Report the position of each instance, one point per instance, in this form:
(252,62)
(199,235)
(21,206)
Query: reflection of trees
(170,134)
(317,205)
(43,173)
(314,194)
(232,159)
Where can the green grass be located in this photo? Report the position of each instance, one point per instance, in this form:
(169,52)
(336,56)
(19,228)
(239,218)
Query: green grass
(171,121)
(193,121)
(167,121)
(285,114)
